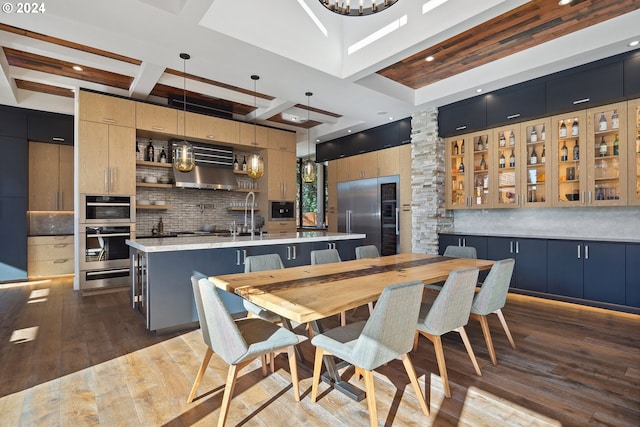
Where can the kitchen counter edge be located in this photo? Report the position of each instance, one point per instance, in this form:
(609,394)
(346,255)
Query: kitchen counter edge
(543,237)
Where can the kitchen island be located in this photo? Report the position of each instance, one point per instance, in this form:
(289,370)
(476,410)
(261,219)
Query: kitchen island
(161,268)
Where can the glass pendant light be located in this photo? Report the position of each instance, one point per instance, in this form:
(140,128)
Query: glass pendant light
(309,166)
(183,158)
(255,166)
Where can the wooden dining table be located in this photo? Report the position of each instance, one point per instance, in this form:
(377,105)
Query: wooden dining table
(310,293)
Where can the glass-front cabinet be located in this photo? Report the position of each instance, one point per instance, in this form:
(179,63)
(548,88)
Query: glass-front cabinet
(568,158)
(607,155)
(481,169)
(533,159)
(633,152)
(504,161)
(457,184)
(468,171)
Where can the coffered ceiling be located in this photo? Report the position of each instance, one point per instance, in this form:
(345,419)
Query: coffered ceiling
(131,48)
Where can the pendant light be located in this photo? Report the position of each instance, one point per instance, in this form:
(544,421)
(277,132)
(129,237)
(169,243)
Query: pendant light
(183,158)
(255,167)
(309,166)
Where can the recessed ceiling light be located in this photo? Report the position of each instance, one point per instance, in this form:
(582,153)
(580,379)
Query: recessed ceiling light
(564,2)
(349,131)
(634,43)
(429,58)
(390,118)
(77,68)
(479,90)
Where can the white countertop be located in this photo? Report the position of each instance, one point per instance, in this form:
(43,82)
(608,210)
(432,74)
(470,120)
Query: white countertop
(631,238)
(171,244)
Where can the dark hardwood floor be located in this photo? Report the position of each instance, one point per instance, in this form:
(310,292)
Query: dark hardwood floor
(67,360)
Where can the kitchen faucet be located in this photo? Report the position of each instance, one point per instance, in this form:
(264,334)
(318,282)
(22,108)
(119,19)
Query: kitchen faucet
(246,203)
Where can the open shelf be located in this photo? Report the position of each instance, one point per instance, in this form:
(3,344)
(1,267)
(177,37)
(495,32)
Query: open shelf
(154,164)
(150,185)
(154,207)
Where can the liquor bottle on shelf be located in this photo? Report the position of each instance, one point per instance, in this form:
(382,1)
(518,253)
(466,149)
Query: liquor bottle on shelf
(563,129)
(576,151)
(244,163)
(512,139)
(455,148)
(503,161)
(163,156)
(479,145)
(603,123)
(533,136)
(138,152)
(483,164)
(575,128)
(543,156)
(533,159)
(512,160)
(564,152)
(461,167)
(149,154)
(486,143)
(603,147)
(462,147)
(235,163)
(503,141)
(615,120)
(543,134)
(616,146)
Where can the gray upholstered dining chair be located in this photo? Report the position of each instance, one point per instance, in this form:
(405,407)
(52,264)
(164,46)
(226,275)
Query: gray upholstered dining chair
(262,263)
(240,342)
(204,329)
(449,312)
(367,251)
(369,344)
(491,297)
(460,252)
(328,256)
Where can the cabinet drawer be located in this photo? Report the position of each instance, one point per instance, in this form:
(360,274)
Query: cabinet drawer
(49,240)
(50,252)
(281,227)
(50,267)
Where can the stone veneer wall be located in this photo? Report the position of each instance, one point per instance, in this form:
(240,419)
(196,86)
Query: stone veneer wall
(428,183)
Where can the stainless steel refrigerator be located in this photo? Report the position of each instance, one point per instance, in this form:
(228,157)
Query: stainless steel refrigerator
(370,206)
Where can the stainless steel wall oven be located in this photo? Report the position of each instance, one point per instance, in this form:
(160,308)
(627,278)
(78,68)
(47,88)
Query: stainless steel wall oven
(104,254)
(100,209)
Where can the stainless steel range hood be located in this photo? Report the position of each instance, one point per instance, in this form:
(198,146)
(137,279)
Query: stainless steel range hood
(207,178)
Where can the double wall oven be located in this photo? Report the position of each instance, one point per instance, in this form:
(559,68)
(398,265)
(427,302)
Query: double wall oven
(106,223)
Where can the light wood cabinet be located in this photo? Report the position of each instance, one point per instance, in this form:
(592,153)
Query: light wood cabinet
(49,256)
(342,169)
(106,159)
(507,172)
(469,171)
(99,108)
(389,161)
(281,227)
(281,140)
(281,170)
(209,128)
(50,177)
(156,118)
(332,196)
(363,166)
(406,226)
(633,152)
(250,134)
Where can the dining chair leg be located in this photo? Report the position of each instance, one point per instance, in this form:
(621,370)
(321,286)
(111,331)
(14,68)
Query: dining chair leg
(371,398)
(467,344)
(411,372)
(415,341)
(505,327)
(442,366)
(343,318)
(201,371)
(228,393)
(317,366)
(273,362)
(487,337)
(263,360)
(358,373)
(370,308)
(293,367)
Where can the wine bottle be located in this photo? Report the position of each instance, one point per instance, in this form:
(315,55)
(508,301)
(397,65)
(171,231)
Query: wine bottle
(616,145)
(543,134)
(564,152)
(479,145)
(138,153)
(512,160)
(574,127)
(603,147)
(615,120)
(461,167)
(163,156)
(543,156)
(503,161)
(563,129)
(503,141)
(486,143)
(533,137)
(603,123)
(462,147)
(533,159)
(576,151)
(244,163)
(455,148)
(149,154)
(512,139)
(483,164)
(235,163)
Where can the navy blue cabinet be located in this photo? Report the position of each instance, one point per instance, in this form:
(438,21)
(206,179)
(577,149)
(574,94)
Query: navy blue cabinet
(530,271)
(515,103)
(564,268)
(478,242)
(50,127)
(632,76)
(604,275)
(13,121)
(632,275)
(585,88)
(462,117)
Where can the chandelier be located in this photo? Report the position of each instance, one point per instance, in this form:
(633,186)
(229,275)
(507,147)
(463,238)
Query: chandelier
(357,7)
(255,168)
(183,158)
(309,166)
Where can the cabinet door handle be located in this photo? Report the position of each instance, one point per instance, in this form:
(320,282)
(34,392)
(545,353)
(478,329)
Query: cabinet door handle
(61,245)
(107,120)
(157,128)
(578,251)
(463,127)
(581,101)
(517,247)
(589,196)
(111,179)
(288,253)
(104,180)
(459,241)
(295,255)
(244,256)
(57,138)
(464,242)
(237,256)
(586,251)
(60,261)
(517,199)
(513,116)
(510,246)
(397,222)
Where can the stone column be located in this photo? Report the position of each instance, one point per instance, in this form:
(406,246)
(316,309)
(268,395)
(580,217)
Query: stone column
(428,183)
